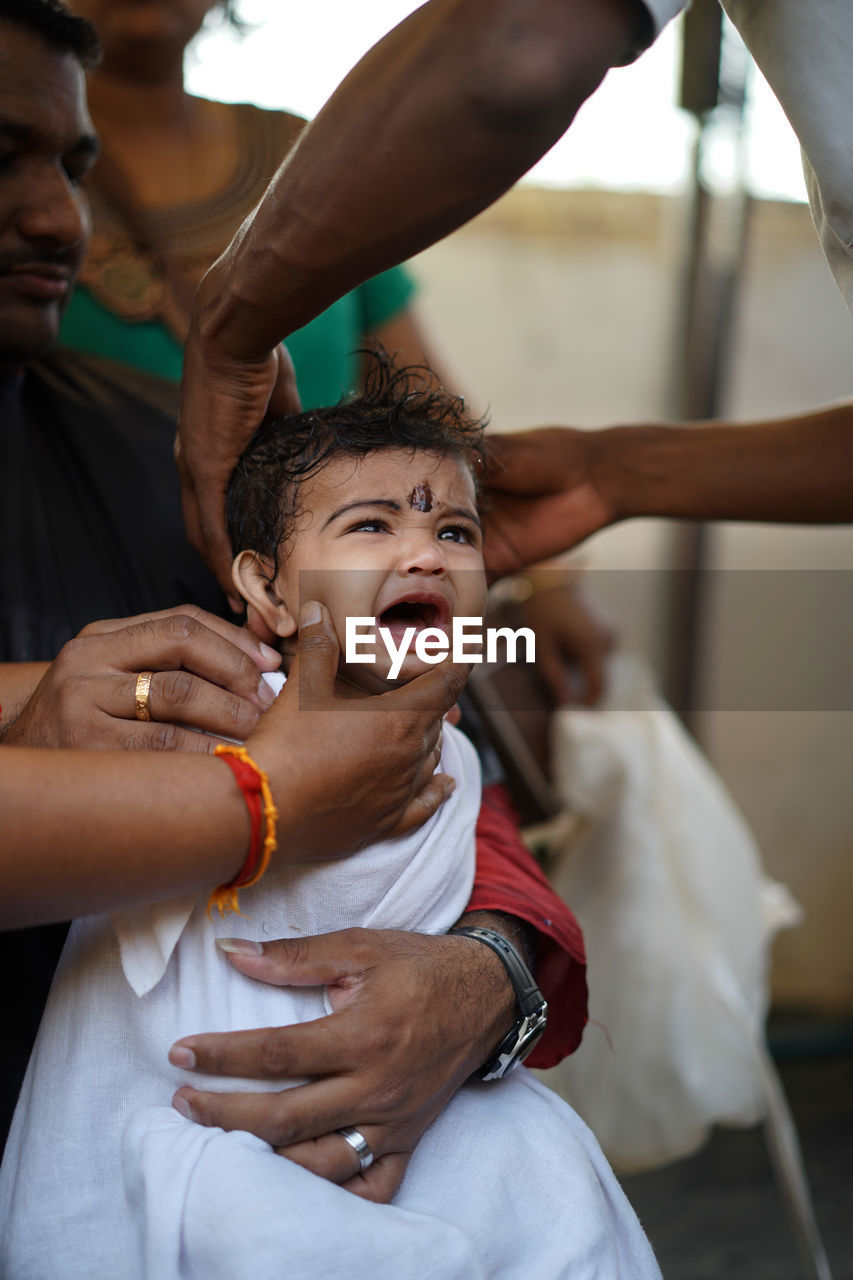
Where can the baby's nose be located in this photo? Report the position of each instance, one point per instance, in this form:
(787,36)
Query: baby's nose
(422,555)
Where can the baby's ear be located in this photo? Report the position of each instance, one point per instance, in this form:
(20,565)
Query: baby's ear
(255,579)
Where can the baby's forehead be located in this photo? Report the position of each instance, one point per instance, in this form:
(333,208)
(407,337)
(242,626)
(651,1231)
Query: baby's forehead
(418,478)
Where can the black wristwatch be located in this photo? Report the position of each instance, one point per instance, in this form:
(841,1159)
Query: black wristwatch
(532,1006)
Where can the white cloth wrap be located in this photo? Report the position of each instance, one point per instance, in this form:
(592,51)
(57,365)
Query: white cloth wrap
(677,914)
(103,1179)
(148,935)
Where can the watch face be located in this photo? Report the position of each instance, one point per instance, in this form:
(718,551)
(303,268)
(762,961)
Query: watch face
(517,1045)
(534,1033)
(519,1041)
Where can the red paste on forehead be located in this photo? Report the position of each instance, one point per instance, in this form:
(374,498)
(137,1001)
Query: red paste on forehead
(420,499)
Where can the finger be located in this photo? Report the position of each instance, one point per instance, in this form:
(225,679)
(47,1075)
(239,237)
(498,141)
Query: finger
(192,527)
(331,1157)
(381,1182)
(181,698)
(262,654)
(525,461)
(426,772)
(324,959)
(318,1048)
(183,641)
(315,666)
(285,394)
(293,1115)
(510,457)
(431,695)
(440,787)
(189,503)
(215,543)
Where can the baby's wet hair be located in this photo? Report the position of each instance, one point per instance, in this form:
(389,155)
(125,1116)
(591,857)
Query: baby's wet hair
(399,408)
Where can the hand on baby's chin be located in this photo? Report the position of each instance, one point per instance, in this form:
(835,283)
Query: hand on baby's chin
(353,680)
(350,683)
(364,682)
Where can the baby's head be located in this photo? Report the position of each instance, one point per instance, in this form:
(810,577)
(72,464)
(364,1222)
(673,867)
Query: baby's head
(370,507)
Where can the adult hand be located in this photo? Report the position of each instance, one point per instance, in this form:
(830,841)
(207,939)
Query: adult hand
(224,399)
(572,642)
(545,491)
(413,1017)
(333,799)
(206,673)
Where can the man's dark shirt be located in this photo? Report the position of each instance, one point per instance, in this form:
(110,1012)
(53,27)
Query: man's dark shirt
(89,505)
(90,528)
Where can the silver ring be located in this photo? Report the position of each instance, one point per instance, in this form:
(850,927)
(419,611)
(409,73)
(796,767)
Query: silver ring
(360,1146)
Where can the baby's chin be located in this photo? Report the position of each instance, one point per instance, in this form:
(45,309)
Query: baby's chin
(374,677)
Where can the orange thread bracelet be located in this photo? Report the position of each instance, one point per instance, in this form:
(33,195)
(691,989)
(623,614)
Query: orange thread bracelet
(255,786)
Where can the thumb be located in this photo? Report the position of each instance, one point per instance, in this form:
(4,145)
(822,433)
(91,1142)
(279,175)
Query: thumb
(284,399)
(318,652)
(215,543)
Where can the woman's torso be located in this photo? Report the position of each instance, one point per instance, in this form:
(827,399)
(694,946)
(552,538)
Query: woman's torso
(132,297)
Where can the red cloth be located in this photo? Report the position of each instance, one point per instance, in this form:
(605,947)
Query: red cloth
(508,879)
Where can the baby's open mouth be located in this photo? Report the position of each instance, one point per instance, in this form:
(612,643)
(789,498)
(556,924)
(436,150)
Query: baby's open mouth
(413,612)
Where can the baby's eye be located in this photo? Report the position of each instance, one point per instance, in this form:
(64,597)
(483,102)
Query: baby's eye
(368,526)
(459,533)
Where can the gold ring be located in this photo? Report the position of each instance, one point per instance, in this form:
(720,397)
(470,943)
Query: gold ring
(142,694)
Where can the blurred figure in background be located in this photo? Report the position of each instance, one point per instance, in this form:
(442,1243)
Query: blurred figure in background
(176,177)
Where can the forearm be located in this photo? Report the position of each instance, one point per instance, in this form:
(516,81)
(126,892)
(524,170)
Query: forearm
(794,470)
(83,834)
(522,935)
(439,118)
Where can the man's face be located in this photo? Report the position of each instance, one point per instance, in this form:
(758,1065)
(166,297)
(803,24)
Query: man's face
(47,144)
(393,536)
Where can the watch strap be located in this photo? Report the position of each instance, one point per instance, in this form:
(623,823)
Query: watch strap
(532,1005)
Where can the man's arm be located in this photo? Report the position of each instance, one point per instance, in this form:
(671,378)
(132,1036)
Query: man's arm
(116,829)
(437,121)
(549,489)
